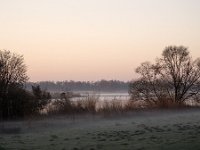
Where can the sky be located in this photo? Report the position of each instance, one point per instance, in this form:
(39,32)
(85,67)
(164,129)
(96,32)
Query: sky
(90,40)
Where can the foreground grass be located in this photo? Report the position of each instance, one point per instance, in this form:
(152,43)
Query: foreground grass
(145,130)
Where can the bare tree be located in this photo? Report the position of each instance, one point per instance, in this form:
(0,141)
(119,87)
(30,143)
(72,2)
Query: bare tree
(13,70)
(175,77)
(12,73)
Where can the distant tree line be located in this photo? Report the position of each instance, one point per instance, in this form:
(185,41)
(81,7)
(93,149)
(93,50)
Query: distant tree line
(103,85)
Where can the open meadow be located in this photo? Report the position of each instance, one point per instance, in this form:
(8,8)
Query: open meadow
(138,130)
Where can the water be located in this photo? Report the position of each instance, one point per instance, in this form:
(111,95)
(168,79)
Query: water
(104,95)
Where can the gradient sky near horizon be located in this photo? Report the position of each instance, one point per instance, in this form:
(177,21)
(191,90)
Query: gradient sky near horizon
(95,39)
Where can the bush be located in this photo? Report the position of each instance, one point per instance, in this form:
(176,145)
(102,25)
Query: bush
(20,103)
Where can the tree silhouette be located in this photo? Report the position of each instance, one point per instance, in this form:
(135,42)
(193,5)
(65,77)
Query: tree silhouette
(12,70)
(12,75)
(15,101)
(174,78)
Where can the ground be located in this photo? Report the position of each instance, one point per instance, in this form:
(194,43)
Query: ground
(139,130)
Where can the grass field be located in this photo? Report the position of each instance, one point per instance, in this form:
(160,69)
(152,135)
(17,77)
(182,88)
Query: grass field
(140,130)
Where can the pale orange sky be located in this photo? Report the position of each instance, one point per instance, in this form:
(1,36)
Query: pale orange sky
(95,39)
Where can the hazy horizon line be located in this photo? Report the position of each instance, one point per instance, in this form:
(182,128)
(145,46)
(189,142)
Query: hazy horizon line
(81,80)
